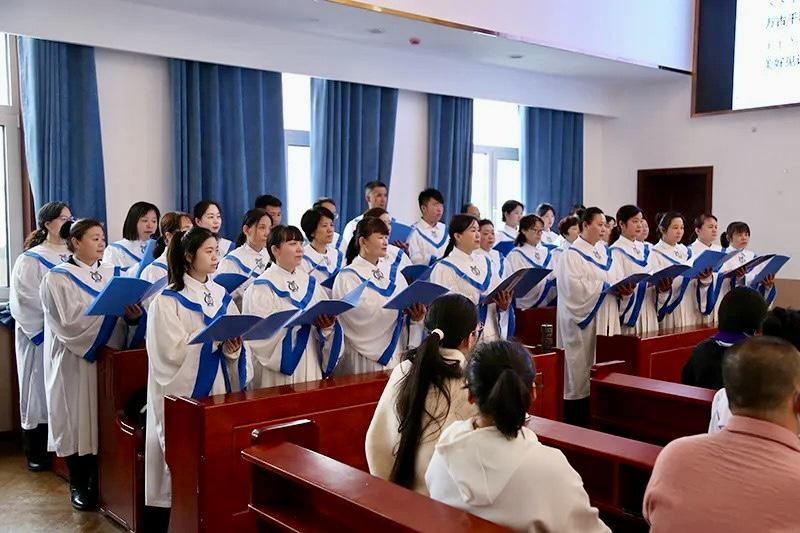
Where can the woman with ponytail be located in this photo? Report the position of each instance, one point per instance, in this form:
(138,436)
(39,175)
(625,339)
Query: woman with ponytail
(44,249)
(171,223)
(72,340)
(466,272)
(141,224)
(493,466)
(425,394)
(190,302)
(529,252)
(250,257)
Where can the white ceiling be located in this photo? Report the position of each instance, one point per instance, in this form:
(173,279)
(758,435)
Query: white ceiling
(332,20)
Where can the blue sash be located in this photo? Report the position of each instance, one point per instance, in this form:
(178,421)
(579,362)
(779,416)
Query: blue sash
(531,261)
(133,256)
(511,237)
(322,268)
(238,262)
(640,262)
(480,287)
(336,349)
(389,290)
(605,267)
(636,302)
(339,241)
(431,241)
(47,264)
(160,265)
(590,317)
(38,339)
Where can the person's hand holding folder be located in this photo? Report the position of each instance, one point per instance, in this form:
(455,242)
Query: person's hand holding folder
(232,346)
(625,290)
(325,321)
(133,312)
(503,299)
(665,285)
(416,312)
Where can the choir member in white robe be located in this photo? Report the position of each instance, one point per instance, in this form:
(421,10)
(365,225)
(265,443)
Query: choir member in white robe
(273,206)
(374,337)
(393,252)
(428,238)
(687,296)
(250,257)
(376,194)
(321,258)
(512,213)
(705,229)
(584,310)
(529,252)
(72,340)
(208,214)
(569,229)
(190,303)
(171,223)
(301,353)
(330,204)
(487,247)
(629,256)
(44,249)
(737,237)
(550,238)
(141,224)
(470,274)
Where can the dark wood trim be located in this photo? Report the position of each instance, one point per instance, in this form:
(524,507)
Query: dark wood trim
(644,174)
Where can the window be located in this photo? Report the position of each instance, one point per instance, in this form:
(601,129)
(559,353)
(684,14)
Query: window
(495,159)
(10,177)
(297,125)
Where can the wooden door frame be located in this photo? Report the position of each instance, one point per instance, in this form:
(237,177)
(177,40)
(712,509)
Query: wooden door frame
(708,171)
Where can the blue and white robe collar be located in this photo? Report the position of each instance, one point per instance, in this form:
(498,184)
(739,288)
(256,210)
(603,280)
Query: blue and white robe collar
(595,255)
(132,249)
(250,262)
(677,254)
(436,236)
(328,263)
(537,256)
(635,251)
(49,255)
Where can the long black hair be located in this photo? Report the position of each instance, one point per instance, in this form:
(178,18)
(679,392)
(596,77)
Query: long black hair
(180,245)
(47,213)
(624,214)
(525,223)
(456,317)
(252,218)
(130,229)
(170,223)
(458,224)
(500,377)
(732,229)
(201,207)
(76,230)
(365,227)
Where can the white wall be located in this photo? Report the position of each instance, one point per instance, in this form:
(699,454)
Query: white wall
(135,119)
(410,161)
(754,155)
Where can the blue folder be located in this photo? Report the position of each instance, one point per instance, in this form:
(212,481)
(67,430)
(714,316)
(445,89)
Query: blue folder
(419,292)
(328,308)
(520,282)
(672,271)
(230,280)
(633,279)
(226,327)
(400,232)
(774,265)
(750,265)
(328,283)
(118,293)
(147,257)
(414,273)
(504,247)
(267,327)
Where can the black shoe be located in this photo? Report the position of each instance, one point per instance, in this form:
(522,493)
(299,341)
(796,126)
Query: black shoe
(39,465)
(81,499)
(34,443)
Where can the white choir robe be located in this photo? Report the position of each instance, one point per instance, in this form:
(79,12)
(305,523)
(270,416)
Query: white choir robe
(374,337)
(322,266)
(583,312)
(529,256)
(125,253)
(247,262)
(687,297)
(26,308)
(225,246)
(637,311)
(706,316)
(498,264)
(747,281)
(182,369)
(427,243)
(473,276)
(347,233)
(291,355)
(72,340)
(551,239)
(506,233)
(337,242)
(153,273)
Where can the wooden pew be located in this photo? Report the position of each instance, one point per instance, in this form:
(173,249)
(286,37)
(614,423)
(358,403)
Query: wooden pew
(654,355)
(549,402)
(295,488)
(615,470)
(120,374)
(528,329)
(647,409)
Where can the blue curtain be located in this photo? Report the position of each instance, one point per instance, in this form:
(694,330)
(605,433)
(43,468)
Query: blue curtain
(61,119)
(551,158)
(228,135)
(450,150)
(352,141)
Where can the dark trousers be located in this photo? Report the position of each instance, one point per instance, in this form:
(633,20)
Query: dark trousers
(577,413)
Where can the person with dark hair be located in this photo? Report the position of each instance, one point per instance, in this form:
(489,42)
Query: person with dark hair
(745,477)
(645,233)
(250,257)
(208,214)
(471,209)
(705,233)
(737,237)
(321,259)
(512,211)
(428,238)
(529,252)
(374,337)
(393,253)
(741,314)
(577,210)
(293,355)
(272,205)
(44,249)
(547,213)
(72,339)
(425,393)
(465,272)
(330,204)
(585,310)
(493,466)
(141,224)
(171,223)
(569,229)
(611,223)
(486,228)
(376,194)
(190,302)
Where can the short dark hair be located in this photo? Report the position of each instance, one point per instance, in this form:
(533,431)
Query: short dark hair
(137,211)
(742,311)
(525,223)
(323,200)
(567,222)
(202,206)
(430,194)
(509,206)
(733,228)
(466,206)
(267,200)
(543,208)
(784,324)
(374,184)
(281,234)
(311,219)
(485,222)
(588,215)
(760,373)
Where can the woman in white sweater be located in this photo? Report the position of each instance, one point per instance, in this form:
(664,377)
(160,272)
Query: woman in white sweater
(425,394)
(495,467)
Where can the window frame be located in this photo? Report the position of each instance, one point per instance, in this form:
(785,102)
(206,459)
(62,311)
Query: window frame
(294,138)
(496,153)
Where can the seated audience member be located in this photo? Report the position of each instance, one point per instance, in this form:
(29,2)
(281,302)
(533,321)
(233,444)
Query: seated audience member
(745,477)
(495,467)
(740,315)
(425,393)
(781,323)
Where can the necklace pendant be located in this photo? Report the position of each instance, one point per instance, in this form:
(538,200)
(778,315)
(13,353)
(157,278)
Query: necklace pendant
(475,270)
(326,261)
(96,276)
(597,255)
(259,263)
(64,257)
(292,285)
(377,274)
(143,246)
(208,298)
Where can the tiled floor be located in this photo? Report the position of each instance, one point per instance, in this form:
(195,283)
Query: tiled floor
(40,501)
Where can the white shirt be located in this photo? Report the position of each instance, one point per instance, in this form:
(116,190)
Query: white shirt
(551,238)
(246,261)
(322,266)
(529,256)
(507,233)
(426,242)
(720,412)
(347,233)
(125,253)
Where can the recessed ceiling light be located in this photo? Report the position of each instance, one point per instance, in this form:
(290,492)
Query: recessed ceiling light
(376,31)
(516,56)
